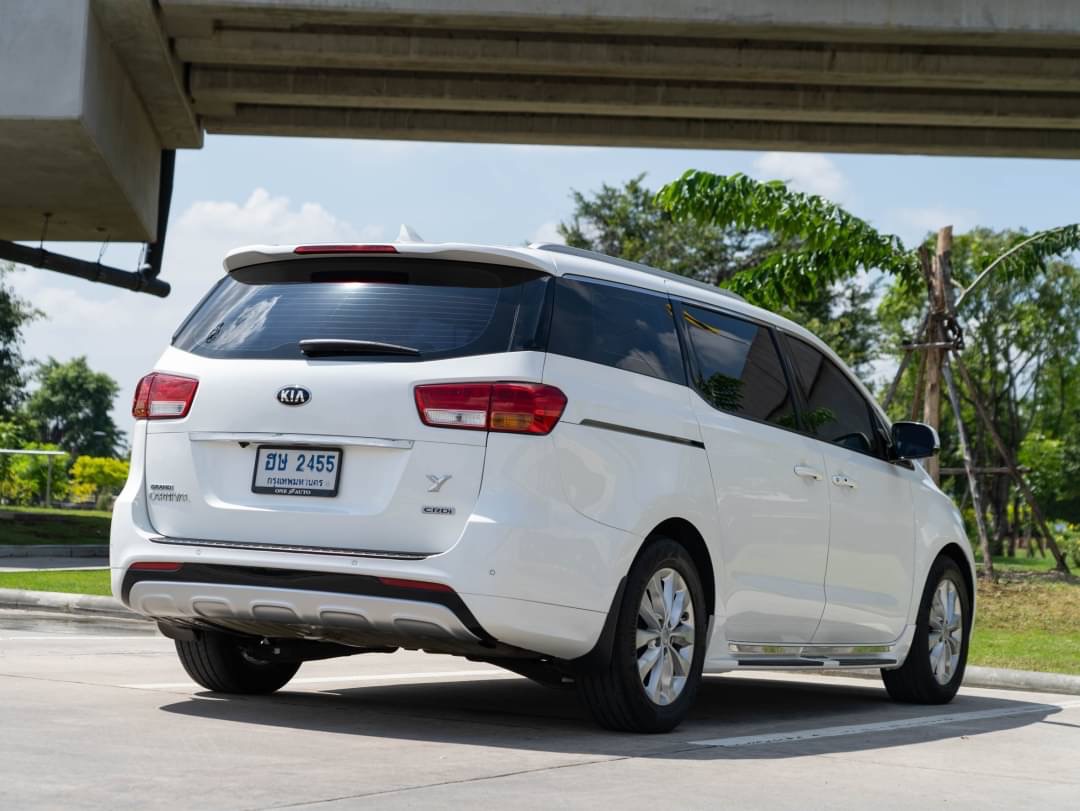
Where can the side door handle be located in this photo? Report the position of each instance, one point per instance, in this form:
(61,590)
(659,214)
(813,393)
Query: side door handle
(807,472)
(844,481)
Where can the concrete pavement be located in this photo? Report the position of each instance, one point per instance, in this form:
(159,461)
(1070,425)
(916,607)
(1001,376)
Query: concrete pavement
(99,714)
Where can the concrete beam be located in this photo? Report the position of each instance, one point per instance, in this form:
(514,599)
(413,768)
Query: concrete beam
(217,90)
(75,140)
(1017,23)
(639,132)
(134,28)
(629,58)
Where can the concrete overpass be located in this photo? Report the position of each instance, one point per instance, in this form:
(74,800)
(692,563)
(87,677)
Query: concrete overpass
(93,91)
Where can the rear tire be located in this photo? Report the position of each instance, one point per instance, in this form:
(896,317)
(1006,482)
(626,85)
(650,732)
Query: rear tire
(220,663)
(660,632)
(934,667)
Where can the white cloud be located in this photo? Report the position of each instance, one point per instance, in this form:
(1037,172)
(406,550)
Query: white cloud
(548,232)
(123,333)
(932,218)
(806,172)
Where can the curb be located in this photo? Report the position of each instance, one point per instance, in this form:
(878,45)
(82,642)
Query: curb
(999,678)
(1021,680)
(82,604)
(54,550)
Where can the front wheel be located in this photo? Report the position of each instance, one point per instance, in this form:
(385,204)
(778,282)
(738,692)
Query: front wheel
(659,646)
(222,663)
(934,667)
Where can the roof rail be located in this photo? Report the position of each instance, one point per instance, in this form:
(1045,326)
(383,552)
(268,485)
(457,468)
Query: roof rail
(556,247)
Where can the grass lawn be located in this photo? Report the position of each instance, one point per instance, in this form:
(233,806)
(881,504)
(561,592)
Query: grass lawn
(1028,623)
(37,525)
(95,581)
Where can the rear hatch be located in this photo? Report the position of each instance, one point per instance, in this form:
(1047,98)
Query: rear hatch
(303,430)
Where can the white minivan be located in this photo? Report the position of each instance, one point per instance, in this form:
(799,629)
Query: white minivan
(574,467)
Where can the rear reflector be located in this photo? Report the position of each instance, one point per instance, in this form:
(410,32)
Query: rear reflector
(155,566)
(345,249)
(163,397)
(518,408)
(418,585)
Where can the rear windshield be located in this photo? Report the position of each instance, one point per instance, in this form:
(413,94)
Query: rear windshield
(441,309)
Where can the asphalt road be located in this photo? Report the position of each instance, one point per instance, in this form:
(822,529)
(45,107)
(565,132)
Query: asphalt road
(100,715)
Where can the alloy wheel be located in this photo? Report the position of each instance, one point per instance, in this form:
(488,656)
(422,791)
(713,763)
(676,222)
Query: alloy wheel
(946,636)
(665,636)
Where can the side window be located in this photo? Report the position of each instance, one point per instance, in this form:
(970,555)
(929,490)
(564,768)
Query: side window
(616,326)
(737,367)
(835,410)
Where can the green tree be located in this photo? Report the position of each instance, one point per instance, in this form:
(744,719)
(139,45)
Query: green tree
(97,477)
(71,408)
(628,222)
(15,314)
(1024,320)
(24,482)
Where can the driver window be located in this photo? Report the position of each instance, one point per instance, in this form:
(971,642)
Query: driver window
(835,410)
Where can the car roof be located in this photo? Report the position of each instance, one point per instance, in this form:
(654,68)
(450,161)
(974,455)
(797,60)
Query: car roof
(558,260)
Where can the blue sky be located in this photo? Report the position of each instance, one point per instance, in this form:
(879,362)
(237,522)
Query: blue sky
(241,190)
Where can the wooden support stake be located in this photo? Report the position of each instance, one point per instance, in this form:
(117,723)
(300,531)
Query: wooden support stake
(969,468)
(1018,477)
(935,270)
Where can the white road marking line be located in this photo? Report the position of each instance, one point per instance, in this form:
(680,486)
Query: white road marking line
(881,726)
(80,638)
(369,677)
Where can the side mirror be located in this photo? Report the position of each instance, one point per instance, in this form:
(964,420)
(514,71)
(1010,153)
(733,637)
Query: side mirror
(914,440)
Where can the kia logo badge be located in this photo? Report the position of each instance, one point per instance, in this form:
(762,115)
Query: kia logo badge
(293,395)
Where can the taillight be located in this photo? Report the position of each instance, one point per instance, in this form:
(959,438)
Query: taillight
(518,408)
(345,249)
(163,397)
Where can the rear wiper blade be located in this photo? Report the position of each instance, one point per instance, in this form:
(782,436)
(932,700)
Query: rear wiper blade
(316,347)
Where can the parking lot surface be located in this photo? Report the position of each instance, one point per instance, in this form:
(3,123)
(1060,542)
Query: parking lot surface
(100,715)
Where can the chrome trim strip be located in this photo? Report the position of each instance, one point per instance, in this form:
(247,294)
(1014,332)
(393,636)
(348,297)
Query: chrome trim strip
(808,649)
(623,429)
(307,550)
(298,439)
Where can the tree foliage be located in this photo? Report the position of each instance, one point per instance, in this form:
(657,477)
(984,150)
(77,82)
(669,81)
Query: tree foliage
(15,314)
(25,476)
(97,477)
(817,243)
(626,222)
(71,407)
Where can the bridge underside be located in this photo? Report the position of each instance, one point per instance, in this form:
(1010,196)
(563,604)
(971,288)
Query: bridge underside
(993,77)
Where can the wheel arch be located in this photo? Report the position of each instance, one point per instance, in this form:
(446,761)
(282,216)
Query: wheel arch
(953,551)
(686,534)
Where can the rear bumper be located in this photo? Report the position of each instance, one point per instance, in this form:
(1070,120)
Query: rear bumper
(357,610)
(533,574)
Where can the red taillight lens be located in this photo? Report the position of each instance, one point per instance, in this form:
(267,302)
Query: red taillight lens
(518,408)
(345,249)
(163,397)
(525,408)
(155,566)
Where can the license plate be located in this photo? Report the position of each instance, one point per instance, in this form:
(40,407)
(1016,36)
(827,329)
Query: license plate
(291,471)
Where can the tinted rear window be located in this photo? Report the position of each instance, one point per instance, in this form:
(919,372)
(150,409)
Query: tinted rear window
(443,309)
(617,326)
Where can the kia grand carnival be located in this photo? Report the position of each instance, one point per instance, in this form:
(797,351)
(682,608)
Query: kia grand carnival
(577,468)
